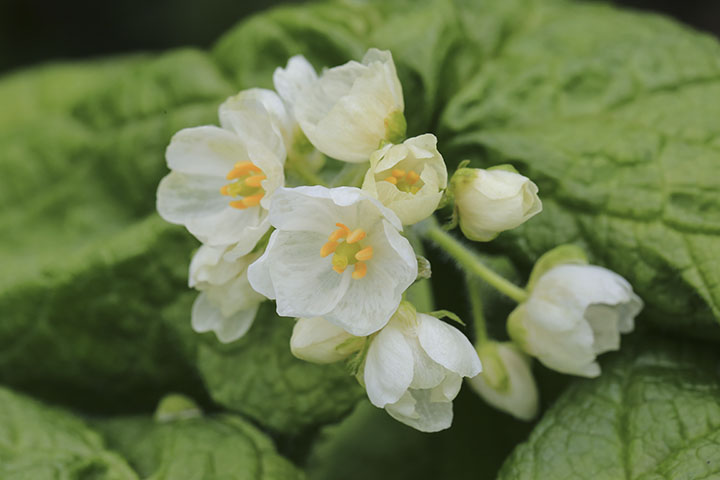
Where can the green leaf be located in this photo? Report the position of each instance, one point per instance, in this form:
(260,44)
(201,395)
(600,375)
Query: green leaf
(653,414)
(202,448)
(447,314)
(43,443)
(89,274)
(259,377)
(613,114)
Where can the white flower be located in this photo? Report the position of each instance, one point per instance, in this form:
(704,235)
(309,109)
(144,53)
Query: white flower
(488,202)
(319,341)
(289,82)
(227,305)
(414,368)
(222,179)
(338,254)
(352,108)
(408,178)
(573,314)
(506,382)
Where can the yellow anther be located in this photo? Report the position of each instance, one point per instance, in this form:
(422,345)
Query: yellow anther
(356,236)
(397,173)
(241,169)
(337,235)
(342,226)
(255,180)
(364,254)
(224,190)
(328,248)
(239,204)
(339,269)
(253,200)
(412,177)
(392,180)
(360,271)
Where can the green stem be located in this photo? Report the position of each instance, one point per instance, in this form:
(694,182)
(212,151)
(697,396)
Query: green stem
(470,261)
(301,170)
(476,309)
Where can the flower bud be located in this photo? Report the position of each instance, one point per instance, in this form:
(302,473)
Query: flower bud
(319,341)
(491,201)
(353,108)
(506,381)
(408,178)
(574,313)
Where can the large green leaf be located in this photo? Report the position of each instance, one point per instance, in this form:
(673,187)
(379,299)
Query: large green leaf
(654,414)
(216,447)
(259,377)
(42,443)
(87,269)
(614,114)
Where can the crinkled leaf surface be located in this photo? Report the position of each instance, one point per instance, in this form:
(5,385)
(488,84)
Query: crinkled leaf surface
(259,377)
(614,115)
(654,414)
(218,447)
(87,268)
(42,443)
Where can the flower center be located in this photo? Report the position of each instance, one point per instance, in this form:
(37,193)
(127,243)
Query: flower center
(246,178)
(408,182)
(346,245)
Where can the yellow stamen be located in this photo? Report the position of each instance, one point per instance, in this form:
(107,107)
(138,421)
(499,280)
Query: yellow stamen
(224,190)
(392,180)
(339,269)
(356,236)
(337,235)
(412,177)
(360,271)
(364,254)
(253,200)
(255,180)
(328,248)
(240,204)
(241,169)
(397,173)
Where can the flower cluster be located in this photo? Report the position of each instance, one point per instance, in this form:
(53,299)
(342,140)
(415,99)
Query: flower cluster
(308,197)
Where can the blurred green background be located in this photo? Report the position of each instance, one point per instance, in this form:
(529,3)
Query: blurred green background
(33,31)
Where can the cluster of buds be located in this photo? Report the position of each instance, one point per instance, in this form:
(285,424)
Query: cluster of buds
(337,258)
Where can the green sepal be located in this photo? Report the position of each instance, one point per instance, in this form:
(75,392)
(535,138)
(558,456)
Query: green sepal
(506,167)
(424,268)
(440,314)
(516,329)
(355,363)
(561,255)
(494,372)
(395,127)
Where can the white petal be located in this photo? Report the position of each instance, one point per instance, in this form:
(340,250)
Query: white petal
(182,197)
(427,373)
(205,150)
(317,340)
(259,272)
(388,367)
(256,125)
(305,283)
(427,415)
(208,267)
(206,317)
(447,346)
(305,209)
(228,226)
(291,80)
(233,296)
(370,301)
(251,236)
(521,398)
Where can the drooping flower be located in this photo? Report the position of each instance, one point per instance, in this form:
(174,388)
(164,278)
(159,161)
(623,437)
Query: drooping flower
(336,253)
(506,382)
(351,109)
(414,368)
(319,341)
(227,304)
(408,178)
(574,313)
(488,202)
(223,179)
